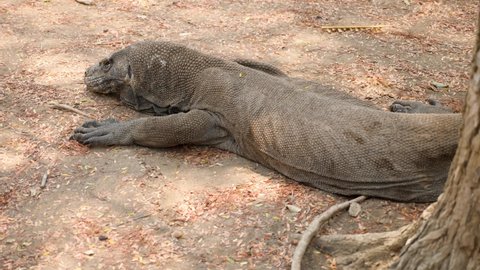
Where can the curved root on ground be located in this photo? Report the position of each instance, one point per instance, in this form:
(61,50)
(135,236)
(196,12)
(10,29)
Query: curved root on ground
(358,251)
(312,230)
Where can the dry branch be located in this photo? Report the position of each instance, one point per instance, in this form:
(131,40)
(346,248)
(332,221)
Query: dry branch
(313,229)
(69,108)
(343,28)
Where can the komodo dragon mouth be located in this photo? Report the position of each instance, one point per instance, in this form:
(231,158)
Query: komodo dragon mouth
(102,84)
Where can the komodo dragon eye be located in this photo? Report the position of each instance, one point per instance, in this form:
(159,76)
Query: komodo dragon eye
(106,64)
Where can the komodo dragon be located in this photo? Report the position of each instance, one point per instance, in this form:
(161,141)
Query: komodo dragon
(304,130)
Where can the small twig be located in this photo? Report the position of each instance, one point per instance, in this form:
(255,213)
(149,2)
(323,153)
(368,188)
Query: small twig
(140,217)
(342,28)
(313,229)
(69,108)
(107,104)
(133,219)
(43,183)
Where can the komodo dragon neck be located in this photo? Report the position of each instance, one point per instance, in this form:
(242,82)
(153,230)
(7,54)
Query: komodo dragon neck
(166,77)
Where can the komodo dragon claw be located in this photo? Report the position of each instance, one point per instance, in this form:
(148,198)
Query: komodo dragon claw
(102,133)
(407,106)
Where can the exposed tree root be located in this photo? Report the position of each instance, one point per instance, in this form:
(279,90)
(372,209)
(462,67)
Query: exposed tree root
(371,250)
(312,230)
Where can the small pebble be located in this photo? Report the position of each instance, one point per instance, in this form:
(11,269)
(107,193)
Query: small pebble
(102,238)
(354,209)
(85,2)
(177,234)
(293,208)
(10,241)
(89,252)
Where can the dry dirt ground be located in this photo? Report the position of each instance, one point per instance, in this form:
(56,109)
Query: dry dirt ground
(194,207)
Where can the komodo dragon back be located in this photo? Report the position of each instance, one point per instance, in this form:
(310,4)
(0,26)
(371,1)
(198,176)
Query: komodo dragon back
(305,130)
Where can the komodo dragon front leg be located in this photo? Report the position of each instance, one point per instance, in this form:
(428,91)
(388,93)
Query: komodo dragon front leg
(194,127)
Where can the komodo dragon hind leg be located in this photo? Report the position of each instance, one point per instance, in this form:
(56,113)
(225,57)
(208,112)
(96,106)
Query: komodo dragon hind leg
(406,106)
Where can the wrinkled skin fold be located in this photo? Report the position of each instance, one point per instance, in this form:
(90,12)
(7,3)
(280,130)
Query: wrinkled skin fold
(304,130)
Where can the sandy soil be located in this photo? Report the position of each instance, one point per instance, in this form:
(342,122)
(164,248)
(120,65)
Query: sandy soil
(194,207)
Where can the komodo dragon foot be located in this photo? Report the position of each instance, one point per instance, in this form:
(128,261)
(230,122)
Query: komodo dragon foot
(106,132)
(404,106)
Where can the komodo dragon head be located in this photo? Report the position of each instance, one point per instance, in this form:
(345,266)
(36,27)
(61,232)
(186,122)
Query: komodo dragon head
(110,75)
(159,73)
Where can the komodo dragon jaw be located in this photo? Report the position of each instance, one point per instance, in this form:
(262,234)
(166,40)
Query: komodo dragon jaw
(110,75)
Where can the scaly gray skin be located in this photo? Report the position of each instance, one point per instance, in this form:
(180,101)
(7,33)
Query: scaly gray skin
(308,132)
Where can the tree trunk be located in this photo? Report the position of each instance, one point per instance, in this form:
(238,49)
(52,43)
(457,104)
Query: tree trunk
(450,239)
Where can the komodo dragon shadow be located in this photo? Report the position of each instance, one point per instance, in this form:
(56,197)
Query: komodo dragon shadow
(302,129)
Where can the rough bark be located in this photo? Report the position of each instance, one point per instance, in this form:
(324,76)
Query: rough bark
(450,239)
